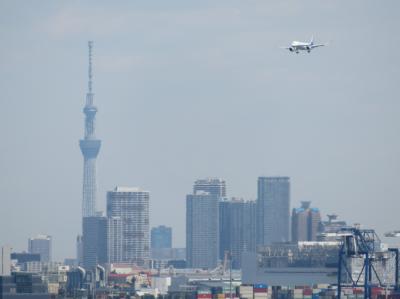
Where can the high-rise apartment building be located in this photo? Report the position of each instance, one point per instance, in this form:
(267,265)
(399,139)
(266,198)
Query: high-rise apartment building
(273,210)
(161,237)
(90,147)
(237,229)
(213,186)
(41,244)
(114,241)
(132,206)
(306,223)
(202,230)
(94,242)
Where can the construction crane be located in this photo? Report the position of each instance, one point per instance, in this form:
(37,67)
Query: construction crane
(363,245)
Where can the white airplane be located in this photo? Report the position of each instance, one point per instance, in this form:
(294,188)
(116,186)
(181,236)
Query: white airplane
(303,46)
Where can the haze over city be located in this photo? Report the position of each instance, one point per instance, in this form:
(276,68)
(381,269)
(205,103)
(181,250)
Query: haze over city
(192,90)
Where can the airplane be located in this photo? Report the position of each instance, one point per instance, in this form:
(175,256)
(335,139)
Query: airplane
(303,46)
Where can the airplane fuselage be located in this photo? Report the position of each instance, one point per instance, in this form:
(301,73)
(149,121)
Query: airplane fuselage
(297,46)
(300,46)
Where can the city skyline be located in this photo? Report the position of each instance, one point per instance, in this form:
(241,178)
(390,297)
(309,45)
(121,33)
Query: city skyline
(228,104)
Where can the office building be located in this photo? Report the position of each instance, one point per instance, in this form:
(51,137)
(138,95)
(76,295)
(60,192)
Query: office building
(306,223)
(23,286)
(273,210)
(90,147)
(300,224)
(33,267)
(132,206)
(161,242)
(213,186)
(161,237)
(94,242)
(237,229)
(5,260)
(23,257)
(314,224)
(202,230)
(41,244)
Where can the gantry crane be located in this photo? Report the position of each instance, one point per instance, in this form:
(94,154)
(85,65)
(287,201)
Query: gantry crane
(364,245)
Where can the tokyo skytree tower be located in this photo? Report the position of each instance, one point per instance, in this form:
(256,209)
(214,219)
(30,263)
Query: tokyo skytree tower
(90,147)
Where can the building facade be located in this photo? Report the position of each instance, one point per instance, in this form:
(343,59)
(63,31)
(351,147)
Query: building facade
(94,242)
(41,244)
(161,237)
(237,229)
(202,230)
(114,239)
(273,210)
(213,186)
(132,206)
(23,286)
(306,223)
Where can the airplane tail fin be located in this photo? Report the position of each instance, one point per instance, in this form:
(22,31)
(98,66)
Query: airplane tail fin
(312,40)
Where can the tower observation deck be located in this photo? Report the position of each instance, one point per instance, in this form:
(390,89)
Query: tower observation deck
(90,147)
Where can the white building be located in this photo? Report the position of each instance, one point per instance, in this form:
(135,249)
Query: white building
(131,205)
(114,239)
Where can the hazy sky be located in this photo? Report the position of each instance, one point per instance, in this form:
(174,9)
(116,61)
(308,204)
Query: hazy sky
(189,89)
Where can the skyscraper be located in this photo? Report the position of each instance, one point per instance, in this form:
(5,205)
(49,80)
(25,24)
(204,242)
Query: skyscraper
(214,186)
(132,206)
(306,223)
(94,241)
(273,210)
(161,237)
(90,147)
(41,244)
(237,229)
(300,223)
(314,224)
(202,230)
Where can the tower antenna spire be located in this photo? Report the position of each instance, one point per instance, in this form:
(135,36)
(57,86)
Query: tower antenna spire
(90,83)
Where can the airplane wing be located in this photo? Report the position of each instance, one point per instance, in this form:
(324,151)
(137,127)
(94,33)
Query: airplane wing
(316,46)
(287,48)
